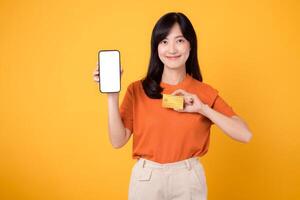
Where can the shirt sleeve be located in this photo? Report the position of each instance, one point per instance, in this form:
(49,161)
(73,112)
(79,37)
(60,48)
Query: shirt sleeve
(126,108)
(220,105)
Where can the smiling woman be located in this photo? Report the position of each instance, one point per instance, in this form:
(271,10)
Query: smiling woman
(174,50)
(168,142)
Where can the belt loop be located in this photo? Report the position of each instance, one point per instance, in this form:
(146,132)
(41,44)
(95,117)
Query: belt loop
(143,164)
(188,164)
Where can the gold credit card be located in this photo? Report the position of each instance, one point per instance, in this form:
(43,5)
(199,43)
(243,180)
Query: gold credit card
(172,101)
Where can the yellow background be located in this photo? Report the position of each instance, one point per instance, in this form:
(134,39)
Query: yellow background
(54,130)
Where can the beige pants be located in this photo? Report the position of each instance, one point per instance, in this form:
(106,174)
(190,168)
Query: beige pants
(182,180)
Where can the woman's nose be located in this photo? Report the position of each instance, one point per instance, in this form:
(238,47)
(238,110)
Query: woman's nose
(172,48)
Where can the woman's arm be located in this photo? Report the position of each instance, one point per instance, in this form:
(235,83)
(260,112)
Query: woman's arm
(233,126)
(118,134)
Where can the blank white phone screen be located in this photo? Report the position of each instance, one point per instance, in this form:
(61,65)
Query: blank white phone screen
(109,62)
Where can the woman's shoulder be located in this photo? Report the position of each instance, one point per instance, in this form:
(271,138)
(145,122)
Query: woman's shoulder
(204,87)
(205,91)
(135,85)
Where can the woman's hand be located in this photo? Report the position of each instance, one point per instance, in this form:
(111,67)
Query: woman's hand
(96,77)
(96,74)
(191,102)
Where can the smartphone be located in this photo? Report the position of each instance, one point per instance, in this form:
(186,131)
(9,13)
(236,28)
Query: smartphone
(109,64)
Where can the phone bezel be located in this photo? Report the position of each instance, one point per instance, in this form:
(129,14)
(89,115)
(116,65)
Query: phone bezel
(119,68)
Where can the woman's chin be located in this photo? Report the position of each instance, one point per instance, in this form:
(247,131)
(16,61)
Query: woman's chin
(173,67)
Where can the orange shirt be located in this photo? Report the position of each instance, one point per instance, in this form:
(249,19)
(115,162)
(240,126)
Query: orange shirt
(165,135)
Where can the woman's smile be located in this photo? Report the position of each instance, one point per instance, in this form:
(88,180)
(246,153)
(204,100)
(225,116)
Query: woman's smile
(172,57)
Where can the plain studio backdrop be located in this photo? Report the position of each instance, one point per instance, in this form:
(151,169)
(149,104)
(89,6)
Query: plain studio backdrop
(53,125)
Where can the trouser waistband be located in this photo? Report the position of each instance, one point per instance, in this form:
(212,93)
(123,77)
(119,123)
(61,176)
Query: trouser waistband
(187,163)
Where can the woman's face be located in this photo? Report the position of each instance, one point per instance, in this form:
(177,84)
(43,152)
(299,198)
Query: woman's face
(174,50)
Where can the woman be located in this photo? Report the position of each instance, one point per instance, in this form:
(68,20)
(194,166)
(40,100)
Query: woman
(168,142)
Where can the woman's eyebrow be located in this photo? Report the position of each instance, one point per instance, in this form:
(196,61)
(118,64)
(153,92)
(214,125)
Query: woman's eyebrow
(177,36)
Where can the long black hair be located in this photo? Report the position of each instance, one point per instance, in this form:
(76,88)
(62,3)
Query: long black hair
(151,83)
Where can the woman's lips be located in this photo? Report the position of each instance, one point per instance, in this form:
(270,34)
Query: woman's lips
(172,57)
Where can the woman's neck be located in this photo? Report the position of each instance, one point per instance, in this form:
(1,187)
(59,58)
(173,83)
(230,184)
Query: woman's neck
(173,77)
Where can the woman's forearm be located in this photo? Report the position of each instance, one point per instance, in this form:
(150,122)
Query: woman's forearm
(234,126)
(115,125)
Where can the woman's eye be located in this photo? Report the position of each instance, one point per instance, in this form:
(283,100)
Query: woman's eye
(165,41)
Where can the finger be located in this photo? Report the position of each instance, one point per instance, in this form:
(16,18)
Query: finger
(180,91)
(96,79)
(178,110)
(188,103)
(96,73)
(96,76)
(188,100)
(177,92)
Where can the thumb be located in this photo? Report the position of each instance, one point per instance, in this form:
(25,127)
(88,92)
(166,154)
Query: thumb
(178,91)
